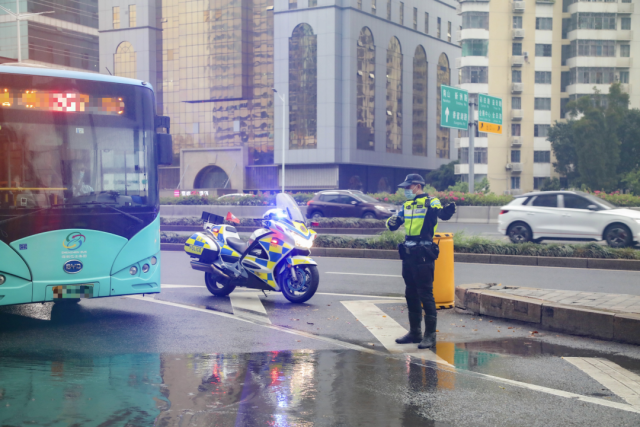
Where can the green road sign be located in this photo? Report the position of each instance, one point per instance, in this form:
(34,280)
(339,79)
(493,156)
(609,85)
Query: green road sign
(454,111)
(489,109)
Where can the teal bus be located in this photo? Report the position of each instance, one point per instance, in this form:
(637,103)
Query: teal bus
(79,198)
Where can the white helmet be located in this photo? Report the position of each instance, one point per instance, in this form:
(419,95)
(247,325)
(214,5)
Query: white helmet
(275,213)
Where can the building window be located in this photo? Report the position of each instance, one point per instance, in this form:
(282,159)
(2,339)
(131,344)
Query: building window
(563,107)
(449,31)
(591,75)
(515,129)
(625,23)
(366,91)
(542,104)
(67,58)
(625,50)
(542,157)
(420,102)
(132,16)
(543,50)
(389,10)
(515,156)
(359,4)
(517,22)
(415,18)
(516,76)
(394,97)
(116,17)
(516,103)
(515,182)
(474,75)
(439,28)
(475,47)
(124,61)
(516,49)
(624,77)
(426,23)
(442,134)
(541,131)
(592,48)
(401,12)
(564,81)
(544,23)
(543,77)
(480,155)
(314,3)
(293,4)
(85,61)
(538,181)
(303,88)
(594,21)
(373,7)
(475,20)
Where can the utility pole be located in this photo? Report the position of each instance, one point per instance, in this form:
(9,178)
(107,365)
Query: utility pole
(20,17)
(284,104)
(472,150)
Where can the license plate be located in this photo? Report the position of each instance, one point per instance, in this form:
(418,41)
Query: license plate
(72,291)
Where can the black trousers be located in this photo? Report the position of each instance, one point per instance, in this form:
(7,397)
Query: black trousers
(418,279)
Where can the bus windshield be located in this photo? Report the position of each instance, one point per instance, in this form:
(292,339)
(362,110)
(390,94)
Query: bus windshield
(68,142)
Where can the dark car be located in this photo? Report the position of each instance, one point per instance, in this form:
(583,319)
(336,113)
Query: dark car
(346,203)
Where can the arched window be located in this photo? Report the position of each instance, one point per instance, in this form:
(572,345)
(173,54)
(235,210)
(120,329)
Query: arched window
(303,88)
(443,135)
(366,90)
(124,61)
(394,97)
(212,177)
(420,102)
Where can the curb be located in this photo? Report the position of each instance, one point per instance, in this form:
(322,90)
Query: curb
(602,324)
(244,229)
(603,264)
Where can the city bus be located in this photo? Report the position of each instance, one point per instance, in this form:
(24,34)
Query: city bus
(79,199)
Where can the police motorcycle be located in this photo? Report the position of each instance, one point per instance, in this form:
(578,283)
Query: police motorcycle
(276,258)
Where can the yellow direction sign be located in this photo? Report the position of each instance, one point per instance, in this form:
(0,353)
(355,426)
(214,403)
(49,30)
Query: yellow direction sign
(489,127)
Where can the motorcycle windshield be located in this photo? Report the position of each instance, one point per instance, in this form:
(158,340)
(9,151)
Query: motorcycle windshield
(286,202)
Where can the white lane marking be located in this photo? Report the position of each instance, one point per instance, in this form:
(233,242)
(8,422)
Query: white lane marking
(385,329)
(180,286)
(439,365)
(620,381)
(317,293)
(364,274)
(248,304)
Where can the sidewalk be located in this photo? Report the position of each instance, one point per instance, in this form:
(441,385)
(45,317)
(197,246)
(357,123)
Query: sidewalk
(612,317)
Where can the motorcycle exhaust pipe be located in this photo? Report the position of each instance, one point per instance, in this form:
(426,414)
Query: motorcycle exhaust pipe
(208,268)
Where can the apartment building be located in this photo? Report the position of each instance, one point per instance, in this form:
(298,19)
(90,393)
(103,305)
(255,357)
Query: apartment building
(537,55)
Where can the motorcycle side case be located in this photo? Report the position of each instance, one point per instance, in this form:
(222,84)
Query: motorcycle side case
(202,246)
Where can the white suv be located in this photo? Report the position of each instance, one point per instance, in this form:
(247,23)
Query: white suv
(568,215)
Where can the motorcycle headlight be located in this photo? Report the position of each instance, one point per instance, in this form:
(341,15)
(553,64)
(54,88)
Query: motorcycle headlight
(301,242)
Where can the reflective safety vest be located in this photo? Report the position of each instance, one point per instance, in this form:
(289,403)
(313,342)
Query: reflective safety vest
(418,213)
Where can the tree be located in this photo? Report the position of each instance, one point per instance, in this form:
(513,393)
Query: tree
(629,135)
(551,184)
(632,181)
(442,177)
(564,149)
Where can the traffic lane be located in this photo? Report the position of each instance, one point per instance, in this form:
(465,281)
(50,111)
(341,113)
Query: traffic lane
(124,325)
(359,275)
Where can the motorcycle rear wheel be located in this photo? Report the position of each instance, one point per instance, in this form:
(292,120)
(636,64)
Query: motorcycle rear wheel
(302,289)
(216,288)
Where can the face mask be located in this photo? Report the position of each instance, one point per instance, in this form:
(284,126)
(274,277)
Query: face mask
(408,193)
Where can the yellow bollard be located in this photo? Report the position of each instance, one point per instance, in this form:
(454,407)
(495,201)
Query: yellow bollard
(443,281)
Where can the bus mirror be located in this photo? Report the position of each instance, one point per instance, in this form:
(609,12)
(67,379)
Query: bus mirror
(164,146)
(163,122)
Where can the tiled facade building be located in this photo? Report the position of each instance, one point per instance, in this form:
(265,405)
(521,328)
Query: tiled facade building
(360,80)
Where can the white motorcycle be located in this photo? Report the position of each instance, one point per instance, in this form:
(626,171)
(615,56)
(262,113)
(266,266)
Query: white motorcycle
(276,258)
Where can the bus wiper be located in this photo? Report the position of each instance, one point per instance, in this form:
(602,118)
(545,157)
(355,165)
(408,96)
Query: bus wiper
(22,216)
(104,205)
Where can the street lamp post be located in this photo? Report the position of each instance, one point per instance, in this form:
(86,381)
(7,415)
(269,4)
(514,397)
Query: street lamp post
(20,17)
(284,104)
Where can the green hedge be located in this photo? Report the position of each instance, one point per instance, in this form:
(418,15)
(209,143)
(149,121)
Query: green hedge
(463,244)
(248,222)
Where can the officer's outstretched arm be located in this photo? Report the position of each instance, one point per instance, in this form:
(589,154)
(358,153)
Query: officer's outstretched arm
(448,211)
(395,221)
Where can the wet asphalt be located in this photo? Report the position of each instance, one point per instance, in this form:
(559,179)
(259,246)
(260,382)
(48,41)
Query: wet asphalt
(183,358)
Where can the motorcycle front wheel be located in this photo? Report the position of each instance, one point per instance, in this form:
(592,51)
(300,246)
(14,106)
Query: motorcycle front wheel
(216,288)
(305,285)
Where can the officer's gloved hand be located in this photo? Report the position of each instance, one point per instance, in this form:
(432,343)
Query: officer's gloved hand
(447,212)
(393,222)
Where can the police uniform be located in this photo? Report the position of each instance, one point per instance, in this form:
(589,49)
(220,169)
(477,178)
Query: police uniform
(418,253)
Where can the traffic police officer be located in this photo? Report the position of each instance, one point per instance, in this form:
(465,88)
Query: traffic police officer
(418,252)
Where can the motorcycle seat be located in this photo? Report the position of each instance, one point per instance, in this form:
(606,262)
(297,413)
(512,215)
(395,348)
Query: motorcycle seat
(237,244)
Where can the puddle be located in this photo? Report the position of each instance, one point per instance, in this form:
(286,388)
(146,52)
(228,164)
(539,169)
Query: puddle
(301,388)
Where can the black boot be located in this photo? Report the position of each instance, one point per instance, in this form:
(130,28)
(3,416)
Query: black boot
(429,340)
(415,330)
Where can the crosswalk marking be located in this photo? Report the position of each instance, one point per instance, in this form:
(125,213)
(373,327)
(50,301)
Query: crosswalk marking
(249,305)
(385,329)
(364,274)
(620,381)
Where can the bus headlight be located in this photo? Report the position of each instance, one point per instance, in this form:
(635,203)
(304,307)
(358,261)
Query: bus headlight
(133,270)
(2,279)
(145,268)
(154,260)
